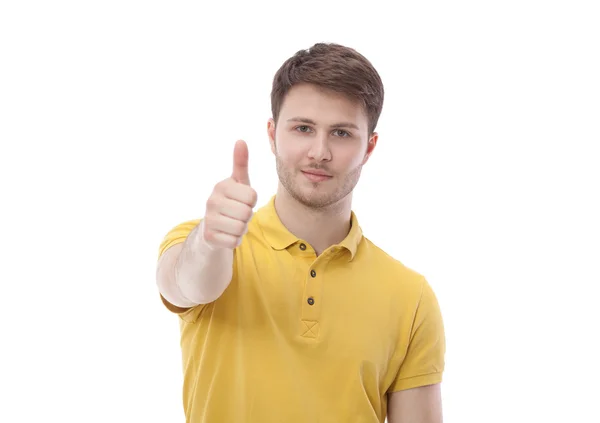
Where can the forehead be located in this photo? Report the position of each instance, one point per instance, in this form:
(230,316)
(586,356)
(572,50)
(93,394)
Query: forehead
(321,105)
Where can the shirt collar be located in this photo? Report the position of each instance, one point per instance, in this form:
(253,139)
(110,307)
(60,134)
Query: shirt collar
(280,238)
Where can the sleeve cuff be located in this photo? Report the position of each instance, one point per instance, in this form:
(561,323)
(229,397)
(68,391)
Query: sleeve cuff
(173,308)
(416,381)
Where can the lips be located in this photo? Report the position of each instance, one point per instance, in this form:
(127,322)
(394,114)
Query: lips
(316,172)
(316,176)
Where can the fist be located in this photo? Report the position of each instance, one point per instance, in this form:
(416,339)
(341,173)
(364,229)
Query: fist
(229,207)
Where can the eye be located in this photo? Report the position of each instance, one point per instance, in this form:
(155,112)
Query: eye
(303,128)
(341,133)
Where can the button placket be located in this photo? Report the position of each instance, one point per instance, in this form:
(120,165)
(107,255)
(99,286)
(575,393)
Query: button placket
(311,303)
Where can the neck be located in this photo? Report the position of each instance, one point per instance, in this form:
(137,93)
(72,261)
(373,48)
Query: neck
(321,228)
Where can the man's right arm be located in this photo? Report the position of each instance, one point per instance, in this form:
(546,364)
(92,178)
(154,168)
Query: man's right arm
(198,270)
(191,272)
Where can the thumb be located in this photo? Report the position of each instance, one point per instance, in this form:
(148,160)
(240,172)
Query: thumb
(240,163)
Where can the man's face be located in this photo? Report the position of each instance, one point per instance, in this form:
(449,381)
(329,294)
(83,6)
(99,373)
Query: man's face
(320,142)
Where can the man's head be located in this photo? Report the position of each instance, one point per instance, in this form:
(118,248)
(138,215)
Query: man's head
(326,102)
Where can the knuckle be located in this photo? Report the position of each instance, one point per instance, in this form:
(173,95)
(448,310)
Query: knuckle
(219,186)
(220,189)
(241,228)
(228,242)
(212,201)
(209,235)
(208,221)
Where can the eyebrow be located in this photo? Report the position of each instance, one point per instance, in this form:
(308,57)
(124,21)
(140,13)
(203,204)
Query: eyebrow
(336,125)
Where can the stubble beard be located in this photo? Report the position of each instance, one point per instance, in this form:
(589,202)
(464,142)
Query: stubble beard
(318,198)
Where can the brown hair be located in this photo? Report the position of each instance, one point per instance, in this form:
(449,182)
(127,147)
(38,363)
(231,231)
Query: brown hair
(334,67)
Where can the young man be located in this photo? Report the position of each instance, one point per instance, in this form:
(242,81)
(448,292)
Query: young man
(290,314)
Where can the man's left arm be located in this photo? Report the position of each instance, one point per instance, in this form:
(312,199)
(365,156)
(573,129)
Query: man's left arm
(416,405)
(415,394)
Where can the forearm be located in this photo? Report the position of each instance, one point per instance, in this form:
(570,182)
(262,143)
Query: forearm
(202,273)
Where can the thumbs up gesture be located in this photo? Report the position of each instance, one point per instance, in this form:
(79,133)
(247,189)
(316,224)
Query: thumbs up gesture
(229,207)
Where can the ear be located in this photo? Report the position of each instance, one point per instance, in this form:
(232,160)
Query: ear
(271,133)
(372,143)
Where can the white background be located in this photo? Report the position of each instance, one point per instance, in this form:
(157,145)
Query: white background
(117,117)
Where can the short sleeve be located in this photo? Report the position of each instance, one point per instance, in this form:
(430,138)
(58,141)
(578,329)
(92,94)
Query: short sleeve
(176,235)
(423,362)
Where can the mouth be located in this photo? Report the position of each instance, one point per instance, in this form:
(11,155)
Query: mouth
(317,176)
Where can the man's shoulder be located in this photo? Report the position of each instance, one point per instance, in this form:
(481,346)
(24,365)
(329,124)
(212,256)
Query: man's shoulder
(385,258)
(390,267)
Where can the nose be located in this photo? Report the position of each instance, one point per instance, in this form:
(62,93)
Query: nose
(319,149)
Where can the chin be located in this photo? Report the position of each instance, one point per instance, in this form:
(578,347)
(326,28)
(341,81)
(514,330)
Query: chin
(316,198)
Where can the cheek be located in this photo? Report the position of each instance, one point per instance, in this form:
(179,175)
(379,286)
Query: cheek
(350,158)
(290,152)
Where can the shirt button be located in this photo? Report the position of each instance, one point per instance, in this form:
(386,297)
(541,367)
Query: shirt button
(303,247)
(311,300)
(313,273)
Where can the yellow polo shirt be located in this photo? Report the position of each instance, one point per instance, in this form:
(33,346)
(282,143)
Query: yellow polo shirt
(301,338)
